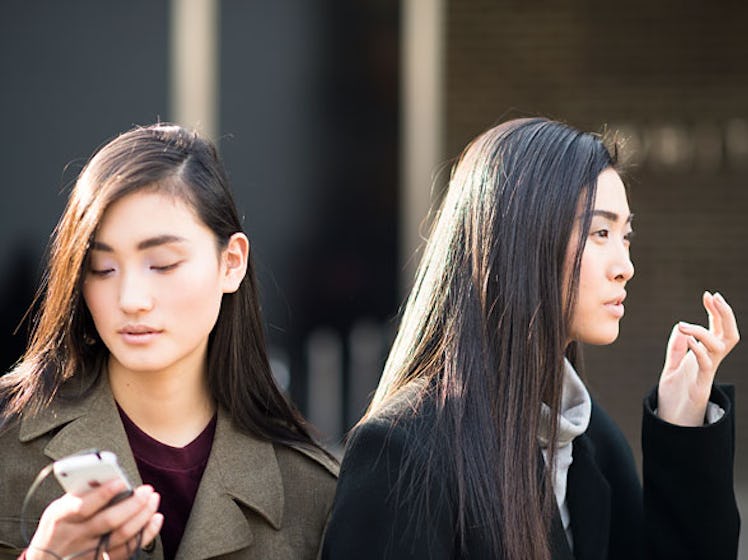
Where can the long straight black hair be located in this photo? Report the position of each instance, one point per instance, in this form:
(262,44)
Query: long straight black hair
(64,343)
(485,328)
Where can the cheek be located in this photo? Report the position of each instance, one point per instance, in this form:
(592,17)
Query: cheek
(585,291)
(589,270)
(566,278)
(193,310)
(586,280)
(580,289)
(94,296)
(193,289)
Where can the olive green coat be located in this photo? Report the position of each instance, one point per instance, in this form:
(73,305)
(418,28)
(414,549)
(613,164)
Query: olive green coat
(256,499)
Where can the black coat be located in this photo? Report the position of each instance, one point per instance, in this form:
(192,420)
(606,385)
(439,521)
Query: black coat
(686,511)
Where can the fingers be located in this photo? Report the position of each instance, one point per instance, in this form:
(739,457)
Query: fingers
(81,508)
(713,311)
(677,347)
(722,320)
(712,342)
(137,522)
(723,334)
(152,529)
(710,346)
(729,323)
(126,549)
(119,515)
(707,367)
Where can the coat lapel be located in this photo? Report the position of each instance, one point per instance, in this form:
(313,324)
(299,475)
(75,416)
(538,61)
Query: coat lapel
(92,423)
(560,549)
(241,470)
(588,496)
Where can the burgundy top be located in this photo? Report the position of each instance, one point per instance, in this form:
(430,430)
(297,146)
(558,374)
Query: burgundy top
(174,472)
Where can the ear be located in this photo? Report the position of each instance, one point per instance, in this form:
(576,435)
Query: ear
(234,260)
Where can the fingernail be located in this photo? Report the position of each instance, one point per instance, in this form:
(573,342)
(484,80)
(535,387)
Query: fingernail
(157,520)
(153,500)
(719,297)
(144,491)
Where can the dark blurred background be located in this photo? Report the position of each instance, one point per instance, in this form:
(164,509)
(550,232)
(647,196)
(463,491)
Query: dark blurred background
(337,120)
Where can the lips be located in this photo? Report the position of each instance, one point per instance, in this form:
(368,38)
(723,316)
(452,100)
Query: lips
(615,306)
(139,334)
(137,329)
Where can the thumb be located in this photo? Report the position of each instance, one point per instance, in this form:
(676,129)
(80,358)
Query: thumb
(677,346)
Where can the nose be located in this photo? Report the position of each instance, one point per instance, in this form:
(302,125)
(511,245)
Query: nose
(622,267)
(134,296)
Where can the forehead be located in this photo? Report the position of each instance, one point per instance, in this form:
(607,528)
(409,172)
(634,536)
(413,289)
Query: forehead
(610,193)
(145,213)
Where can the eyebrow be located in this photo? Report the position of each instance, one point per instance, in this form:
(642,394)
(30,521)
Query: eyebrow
(145,244)
(612,216)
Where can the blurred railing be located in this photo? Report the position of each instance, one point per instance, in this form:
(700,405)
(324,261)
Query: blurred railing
(343,370)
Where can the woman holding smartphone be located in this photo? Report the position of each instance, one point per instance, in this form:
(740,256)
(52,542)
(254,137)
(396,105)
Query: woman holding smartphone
(149,343)
(482,441)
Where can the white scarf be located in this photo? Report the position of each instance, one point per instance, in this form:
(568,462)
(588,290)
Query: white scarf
(574,417)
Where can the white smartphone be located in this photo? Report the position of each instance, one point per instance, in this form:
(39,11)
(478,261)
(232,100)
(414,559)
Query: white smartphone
(78,474)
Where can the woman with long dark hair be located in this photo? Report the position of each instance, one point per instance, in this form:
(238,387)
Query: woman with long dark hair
(481,440)
(149,343)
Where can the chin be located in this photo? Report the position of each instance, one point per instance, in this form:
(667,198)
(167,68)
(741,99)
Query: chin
(597,336)
(141,365)
(601,339)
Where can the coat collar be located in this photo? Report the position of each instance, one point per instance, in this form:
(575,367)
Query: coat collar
(88,422)
(241,469)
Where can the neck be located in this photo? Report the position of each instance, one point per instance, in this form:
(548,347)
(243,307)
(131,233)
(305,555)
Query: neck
(171,407)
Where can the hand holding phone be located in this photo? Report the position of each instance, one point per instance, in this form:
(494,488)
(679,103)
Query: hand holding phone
(78,474)
(94,508)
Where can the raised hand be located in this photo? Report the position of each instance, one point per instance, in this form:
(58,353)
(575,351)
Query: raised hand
(73,525)
(693,356)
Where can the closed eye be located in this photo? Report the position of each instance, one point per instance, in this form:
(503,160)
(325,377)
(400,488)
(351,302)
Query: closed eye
(101,272)
(166,267)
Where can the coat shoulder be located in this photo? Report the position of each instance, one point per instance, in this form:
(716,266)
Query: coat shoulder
(309,481)
(308,459)
(309,475)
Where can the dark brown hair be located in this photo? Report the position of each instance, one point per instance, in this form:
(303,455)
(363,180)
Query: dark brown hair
(64,343)
(485,328)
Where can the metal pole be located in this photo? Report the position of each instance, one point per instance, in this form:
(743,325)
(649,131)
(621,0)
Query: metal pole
(194,65)
(422,125)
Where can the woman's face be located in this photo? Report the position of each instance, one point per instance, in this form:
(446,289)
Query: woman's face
(606,264)
(154,283)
